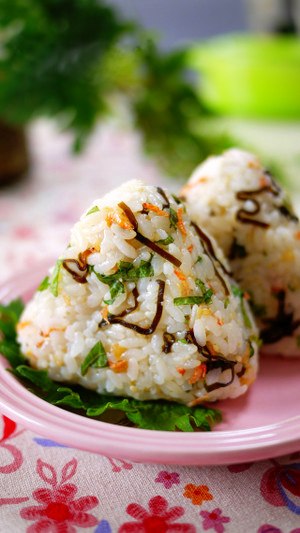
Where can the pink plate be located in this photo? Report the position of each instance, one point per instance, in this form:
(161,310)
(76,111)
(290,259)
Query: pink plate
(264,423)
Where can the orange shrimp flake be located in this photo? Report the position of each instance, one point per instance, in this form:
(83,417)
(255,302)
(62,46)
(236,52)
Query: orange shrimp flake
(181,370)
(155,209)
(198,373)
(180,223)
(190,248)
(184,282)
(118,350)
(188,186)
(46,335)
(264,181)
(119,366)
(24,324)
(104,313)
(50,330)
(117,216)
(253,164)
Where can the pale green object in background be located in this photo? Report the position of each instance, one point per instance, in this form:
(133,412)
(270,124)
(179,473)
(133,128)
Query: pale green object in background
(249,75)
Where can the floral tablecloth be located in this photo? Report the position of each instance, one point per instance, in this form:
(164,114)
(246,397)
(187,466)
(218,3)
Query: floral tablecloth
(47,487)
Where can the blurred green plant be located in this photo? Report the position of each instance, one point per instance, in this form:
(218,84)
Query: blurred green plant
(65,59)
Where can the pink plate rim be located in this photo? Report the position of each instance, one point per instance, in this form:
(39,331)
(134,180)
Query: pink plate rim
(221,447)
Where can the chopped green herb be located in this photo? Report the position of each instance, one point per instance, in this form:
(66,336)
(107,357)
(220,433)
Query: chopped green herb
(44,284)
(246,318)
(115,290)
(93,210)
(251,349)
(54,279)
(144,270)
(236,291)
(96,358)
(226,303)
(201,285)
(256,339)
(126,272)
(166,241)
(183,341)
(207,296)
(177,200)
(173,218)
(199,259)
(189,300)
(157,415)
(206,292)
(240,293)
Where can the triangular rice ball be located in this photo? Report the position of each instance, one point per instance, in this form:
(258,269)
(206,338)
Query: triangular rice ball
(252,220)
(140,305)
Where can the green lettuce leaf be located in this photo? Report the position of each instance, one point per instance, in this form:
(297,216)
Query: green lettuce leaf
(158,415)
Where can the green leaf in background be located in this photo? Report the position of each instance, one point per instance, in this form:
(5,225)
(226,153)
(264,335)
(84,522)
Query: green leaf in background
(69,59)
(51,60)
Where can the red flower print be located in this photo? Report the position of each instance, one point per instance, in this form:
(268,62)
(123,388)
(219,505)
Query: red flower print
(122,465)
(159,518)
(268,528)
(167,478)
(197,493)
(8,432)
(241,467)
(214,520)
(59,512)
(280,484)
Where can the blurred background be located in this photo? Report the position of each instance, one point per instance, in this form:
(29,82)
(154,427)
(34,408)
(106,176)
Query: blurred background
(93,93)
